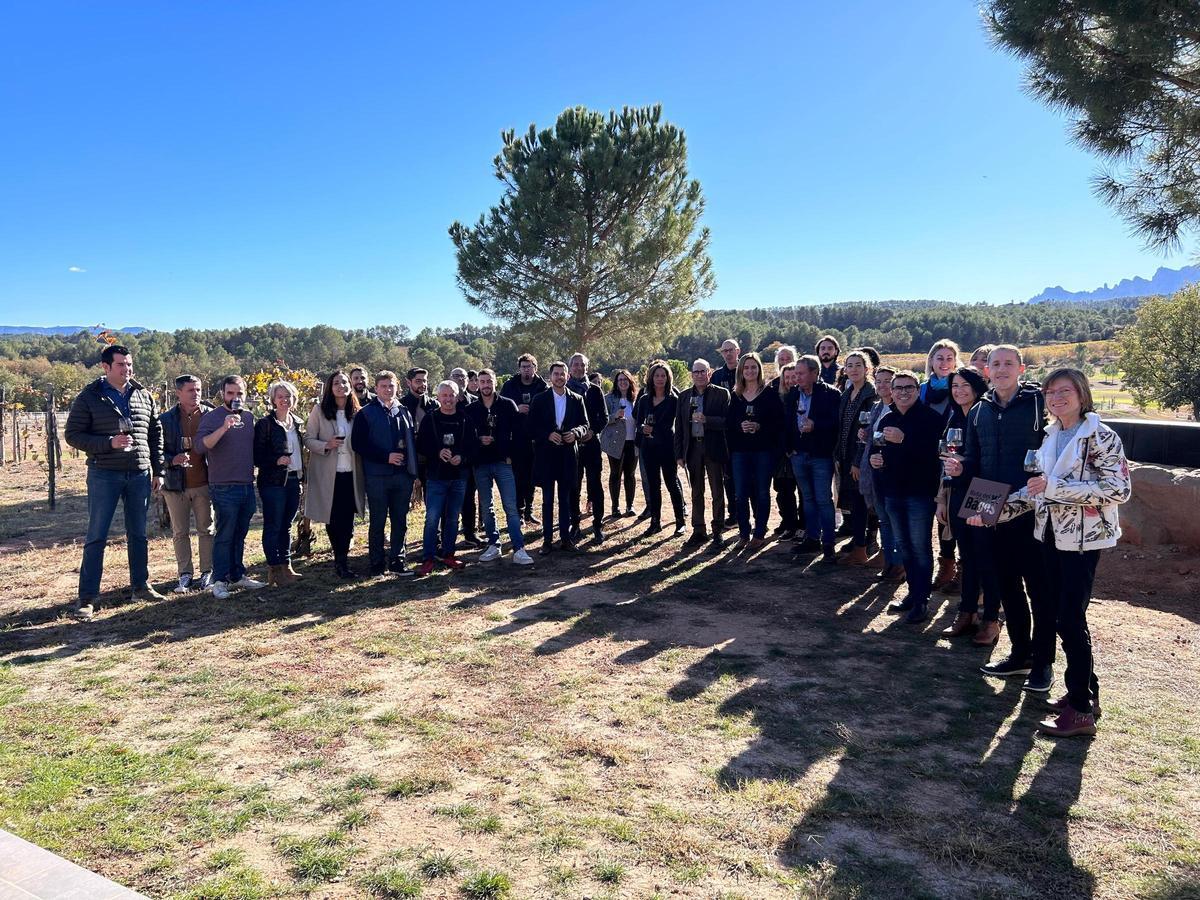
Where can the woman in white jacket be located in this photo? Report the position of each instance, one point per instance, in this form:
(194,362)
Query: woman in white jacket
(1082,478)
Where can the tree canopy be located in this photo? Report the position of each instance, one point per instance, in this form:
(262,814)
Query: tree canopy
(1128,73)
(595,243)
(1159,351)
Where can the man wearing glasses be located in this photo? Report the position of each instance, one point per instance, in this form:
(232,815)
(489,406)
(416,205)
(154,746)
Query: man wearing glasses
(701,449)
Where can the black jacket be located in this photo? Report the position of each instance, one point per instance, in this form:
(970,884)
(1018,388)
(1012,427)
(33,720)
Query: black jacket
(911,468)
(823,411)
(724,377)
(270,443)
(715,408)
(660,443)
(549,458)
(768,412)
(998,436)
(504,416)
(515,390)
(597,416)
(174,476)
(432,434)
(93,421)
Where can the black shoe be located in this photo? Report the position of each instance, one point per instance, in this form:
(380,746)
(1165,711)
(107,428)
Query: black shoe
(531,519)
(567,545)
(1039,680)
(547,549)
(807,547)
(575,536)
(1007,666)
(717,544)
(397,567)
(917,615)
(901,606)
(341,568)
(643,515)
(598,533)
(377,570)
(654,528)
(828,557)
(731,520)
(788,534)
(847,530)
(697,538)
(472,542)
(680,529)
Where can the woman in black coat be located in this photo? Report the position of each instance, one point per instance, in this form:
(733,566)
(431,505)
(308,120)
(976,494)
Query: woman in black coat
(654,414)
(859,396)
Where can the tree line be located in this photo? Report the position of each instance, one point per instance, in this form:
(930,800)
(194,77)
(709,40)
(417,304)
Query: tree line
(32,363)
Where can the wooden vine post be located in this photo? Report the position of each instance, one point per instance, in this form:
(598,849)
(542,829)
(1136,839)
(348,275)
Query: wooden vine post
(52,461)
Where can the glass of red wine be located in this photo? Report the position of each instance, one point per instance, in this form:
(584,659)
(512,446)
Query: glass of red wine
(125,426)
(1033,465)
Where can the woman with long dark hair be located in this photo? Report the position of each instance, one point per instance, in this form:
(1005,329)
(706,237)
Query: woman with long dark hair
(654,414)
(620,402)
(754,429)
(335,490)
(859,396)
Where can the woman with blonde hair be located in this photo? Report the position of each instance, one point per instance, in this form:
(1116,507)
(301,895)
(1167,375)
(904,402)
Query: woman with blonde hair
(858,397)
(620,401)
(278,453)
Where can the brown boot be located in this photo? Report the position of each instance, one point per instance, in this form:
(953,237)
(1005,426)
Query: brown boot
(856,557)
(987,635)
(283,575)
(273,576)
(947,572)
(964,623)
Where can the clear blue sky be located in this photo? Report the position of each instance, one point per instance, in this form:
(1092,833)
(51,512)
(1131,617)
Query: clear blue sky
(213,164)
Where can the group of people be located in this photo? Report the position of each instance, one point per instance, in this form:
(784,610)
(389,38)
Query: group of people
(890,451)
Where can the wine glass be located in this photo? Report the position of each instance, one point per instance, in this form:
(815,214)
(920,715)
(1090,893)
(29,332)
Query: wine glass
(878,442)
(1033,465)
(954,440)
(864,417)
(125,426)
(236,406)
(448,440)
(186,443)
(749,410)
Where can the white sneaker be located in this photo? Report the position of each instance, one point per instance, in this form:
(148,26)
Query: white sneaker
(249,583)
(185,583)
(220,590)
(492,552)
(521,558)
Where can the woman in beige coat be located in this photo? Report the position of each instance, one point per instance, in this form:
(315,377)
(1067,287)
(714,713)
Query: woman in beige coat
(335,480)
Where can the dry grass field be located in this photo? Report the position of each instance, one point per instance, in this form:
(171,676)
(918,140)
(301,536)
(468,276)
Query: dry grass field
(630,722)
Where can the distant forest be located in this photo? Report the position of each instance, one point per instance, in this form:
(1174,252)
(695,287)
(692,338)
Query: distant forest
(30,363)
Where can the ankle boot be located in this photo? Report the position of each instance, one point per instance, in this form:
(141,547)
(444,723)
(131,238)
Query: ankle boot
(856,557)
(947,572)
(282,576)
(964,623)
(273,576)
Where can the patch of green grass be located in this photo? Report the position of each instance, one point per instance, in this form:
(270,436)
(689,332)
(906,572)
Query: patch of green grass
(558,840)
(337,800)
(393,884)
(608,872)
(364,781)
(239,882)
(487,886)
(355,818)
(224,859)
(321,858)
(437,865)
(415,786)
(470,819)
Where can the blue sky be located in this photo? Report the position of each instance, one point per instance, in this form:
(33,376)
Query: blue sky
(234,163)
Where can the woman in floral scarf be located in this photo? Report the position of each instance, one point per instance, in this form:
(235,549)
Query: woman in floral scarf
(1082,476)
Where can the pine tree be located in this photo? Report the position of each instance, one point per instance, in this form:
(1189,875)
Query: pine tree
(1128,73)
(596,242)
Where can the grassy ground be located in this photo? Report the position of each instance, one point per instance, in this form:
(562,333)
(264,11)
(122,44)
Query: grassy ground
(632,722)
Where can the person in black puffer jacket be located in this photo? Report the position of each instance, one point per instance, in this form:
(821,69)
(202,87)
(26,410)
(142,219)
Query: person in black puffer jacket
(1007,421)
(123,468)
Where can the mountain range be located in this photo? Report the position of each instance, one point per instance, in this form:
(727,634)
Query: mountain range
(1164,281)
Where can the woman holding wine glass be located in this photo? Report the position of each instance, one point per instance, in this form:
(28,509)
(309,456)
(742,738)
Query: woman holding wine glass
(620,402)
(754,429)
(654,415)
(336,488)
(1079,477)
(967,385)
(278,454)
(858,397)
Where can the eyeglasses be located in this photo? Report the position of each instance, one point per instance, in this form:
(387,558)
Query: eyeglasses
(904,389)
(699,371)
(1064,392)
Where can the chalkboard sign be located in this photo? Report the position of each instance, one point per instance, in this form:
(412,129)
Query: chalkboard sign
(984,499)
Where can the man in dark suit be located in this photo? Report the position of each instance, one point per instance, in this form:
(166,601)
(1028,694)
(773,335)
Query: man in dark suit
(700,448)
(590,457)
(557,423)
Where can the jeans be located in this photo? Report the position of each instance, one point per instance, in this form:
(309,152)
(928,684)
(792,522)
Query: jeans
(106,489)
(470,516)
(752,485)
(814,474)
(1008,555)
(912,527)
(443,505)
(182,505)
(1070,574)
(280,504)
(502,474)
(388,498)
(887,540)
(234,507)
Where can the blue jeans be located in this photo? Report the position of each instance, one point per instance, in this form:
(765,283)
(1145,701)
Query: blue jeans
(814,474)
(887,540)
(443,504)
(233,507)
(502,474)
(752,470)
(279,507)
(106,489)
(388,499)
(912,528)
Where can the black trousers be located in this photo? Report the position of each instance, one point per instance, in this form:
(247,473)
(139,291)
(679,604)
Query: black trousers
(968,569)
(591,465)
(786,493)
(469,514)
(522,466)
(659,469)
(703,469)
(559,478)
(341,514)
(1011,563)
(618,469)
(1070,575)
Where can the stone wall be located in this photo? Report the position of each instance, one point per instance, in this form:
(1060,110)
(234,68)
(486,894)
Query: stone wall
(1164,508)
